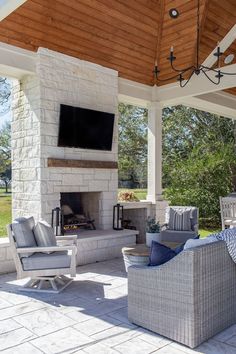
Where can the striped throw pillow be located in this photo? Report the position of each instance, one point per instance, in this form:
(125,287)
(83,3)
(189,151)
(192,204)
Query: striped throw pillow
(180,220)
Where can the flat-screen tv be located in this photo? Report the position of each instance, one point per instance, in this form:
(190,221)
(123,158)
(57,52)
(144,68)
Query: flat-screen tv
(85,128)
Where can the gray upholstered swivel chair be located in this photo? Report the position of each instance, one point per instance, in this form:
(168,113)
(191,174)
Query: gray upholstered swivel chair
(38,255)
(170,234)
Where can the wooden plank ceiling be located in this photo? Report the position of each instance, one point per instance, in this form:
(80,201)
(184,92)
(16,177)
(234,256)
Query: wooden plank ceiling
(125,35)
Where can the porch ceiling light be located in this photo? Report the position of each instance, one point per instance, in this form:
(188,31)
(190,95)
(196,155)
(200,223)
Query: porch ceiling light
(229,59)
(184,75)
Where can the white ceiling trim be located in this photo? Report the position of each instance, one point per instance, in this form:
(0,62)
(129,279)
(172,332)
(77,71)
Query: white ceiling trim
(16,62)
(224,44)
(8,6)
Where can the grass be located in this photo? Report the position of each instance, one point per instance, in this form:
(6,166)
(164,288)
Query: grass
(5,211)
(205,232)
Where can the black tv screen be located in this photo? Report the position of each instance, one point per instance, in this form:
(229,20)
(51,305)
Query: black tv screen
(85,128)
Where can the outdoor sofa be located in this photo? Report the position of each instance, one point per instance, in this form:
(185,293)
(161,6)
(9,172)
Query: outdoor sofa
(188,299)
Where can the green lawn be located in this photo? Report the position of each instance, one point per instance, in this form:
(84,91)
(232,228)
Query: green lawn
(5,211)
(204,233)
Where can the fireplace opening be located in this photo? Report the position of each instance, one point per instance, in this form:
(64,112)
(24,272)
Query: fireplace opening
(79,211)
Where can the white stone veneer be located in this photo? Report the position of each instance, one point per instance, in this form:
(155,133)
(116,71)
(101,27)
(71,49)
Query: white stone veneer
(60,79)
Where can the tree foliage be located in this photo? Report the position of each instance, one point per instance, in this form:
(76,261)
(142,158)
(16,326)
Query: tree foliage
(198,158)
(5,154)
(5,93)
(132,146)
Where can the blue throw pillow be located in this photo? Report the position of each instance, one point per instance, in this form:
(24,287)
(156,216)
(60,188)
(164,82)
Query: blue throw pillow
(179,248)
(160,254)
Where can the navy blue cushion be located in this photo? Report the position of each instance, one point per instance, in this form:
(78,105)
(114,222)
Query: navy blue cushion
(160,254)
(179,248)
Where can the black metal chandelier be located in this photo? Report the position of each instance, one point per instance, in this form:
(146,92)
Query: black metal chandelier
(197,68)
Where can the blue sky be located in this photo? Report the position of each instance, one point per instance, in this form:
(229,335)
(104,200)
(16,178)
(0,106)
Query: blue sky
(4,118)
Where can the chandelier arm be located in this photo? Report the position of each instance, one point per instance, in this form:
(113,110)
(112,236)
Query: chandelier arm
(181,70)
(209,69)
(169,78)
(224,73)
(209,78)
(187,81)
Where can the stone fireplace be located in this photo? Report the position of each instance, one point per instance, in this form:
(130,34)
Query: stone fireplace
(42,171)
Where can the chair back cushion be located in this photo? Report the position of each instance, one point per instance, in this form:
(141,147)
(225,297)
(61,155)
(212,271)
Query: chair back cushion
(44,235)
(23,233)
(192,243)
(179,220)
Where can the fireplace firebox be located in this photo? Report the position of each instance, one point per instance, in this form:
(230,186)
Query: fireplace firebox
(76,212)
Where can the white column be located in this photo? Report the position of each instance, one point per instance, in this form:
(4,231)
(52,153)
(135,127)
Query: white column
(154,152)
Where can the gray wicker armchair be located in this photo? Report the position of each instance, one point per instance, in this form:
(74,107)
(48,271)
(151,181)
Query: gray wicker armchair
(180,236)
(188,299)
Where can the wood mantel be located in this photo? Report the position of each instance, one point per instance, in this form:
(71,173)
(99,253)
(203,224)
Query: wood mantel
(52,162)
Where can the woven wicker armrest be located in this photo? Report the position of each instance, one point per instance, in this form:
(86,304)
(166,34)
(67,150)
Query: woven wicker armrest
(172,278)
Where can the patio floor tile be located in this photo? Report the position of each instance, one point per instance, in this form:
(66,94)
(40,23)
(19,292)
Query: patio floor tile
(68,339)
(25,348)
(135,345)
(96,325)
(12,338)
(8,325)
(44,321)
(90,316)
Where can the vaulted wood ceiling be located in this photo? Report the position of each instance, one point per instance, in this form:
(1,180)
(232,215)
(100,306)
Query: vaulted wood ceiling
(126,35)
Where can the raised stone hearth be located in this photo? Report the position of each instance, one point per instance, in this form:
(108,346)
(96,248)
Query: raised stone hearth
(100,245)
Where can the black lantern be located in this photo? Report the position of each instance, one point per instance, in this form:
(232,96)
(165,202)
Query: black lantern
(117,217)
(56,220)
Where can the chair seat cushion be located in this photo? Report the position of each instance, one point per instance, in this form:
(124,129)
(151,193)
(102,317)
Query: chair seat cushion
(54,260)
(177,236)
(160,254)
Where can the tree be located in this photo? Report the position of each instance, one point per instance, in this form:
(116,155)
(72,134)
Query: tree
(198,158)
(5,93)
(5,154)
(132,146)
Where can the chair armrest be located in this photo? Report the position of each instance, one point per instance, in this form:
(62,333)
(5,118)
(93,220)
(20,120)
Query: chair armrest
(46,249)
